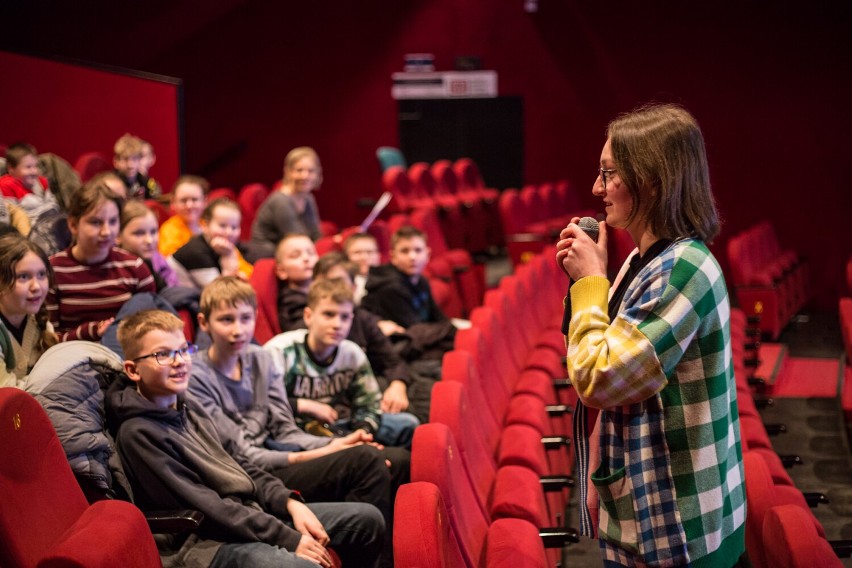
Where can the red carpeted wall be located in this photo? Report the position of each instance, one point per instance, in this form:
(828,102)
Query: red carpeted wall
(767,83)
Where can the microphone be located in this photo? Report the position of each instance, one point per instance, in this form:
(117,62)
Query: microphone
(591,227)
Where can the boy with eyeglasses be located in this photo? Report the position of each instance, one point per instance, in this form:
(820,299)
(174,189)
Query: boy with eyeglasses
(174,459)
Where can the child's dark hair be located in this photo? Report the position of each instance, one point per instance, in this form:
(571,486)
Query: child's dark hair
(13,247)
(221,202)
(334,258)
(407,232)
(17,152)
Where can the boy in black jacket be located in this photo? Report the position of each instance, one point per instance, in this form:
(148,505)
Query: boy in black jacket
(175,460)
(399,292)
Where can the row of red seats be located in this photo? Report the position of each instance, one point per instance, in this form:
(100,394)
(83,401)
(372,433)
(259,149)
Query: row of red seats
(458,283)
(846,314)
(769,281)
(781,529)
(456,192)
(496,450)
(532,217)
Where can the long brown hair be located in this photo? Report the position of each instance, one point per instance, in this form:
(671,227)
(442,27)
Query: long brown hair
(14,247)
(660,156)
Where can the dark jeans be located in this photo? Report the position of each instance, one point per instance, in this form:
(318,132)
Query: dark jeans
(357,474)
(356,531)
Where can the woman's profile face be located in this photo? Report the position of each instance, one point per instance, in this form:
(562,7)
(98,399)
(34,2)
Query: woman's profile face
(305,175)
(618,202)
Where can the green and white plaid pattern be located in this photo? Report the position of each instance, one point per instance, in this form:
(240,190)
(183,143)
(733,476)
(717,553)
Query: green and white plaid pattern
(671,478)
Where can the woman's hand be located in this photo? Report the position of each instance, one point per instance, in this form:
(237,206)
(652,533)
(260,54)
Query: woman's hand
(580,256)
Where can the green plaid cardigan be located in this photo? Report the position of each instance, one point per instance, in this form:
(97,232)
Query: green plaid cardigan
(671,480)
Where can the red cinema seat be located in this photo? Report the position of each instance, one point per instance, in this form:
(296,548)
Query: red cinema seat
(447,206)
(762,495)
(795,540)
(265,284)
(436,458)
(422,535)
(162,212)
(222,193)
(45,519)
(91,163)
(250,198)
(472,188)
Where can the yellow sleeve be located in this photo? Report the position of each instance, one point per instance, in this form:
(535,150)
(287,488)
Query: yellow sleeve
(609,363)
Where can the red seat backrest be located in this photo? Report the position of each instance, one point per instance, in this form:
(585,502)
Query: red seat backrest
(422,533)
(265,283)
(91,163)
(250,199)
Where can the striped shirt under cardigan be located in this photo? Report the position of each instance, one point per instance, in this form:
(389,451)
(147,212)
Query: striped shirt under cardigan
(671,477)
(86,294)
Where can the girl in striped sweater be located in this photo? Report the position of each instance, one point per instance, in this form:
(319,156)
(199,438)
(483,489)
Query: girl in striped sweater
(93,277)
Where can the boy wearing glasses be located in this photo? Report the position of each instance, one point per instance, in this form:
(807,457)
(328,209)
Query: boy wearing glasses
(174,459)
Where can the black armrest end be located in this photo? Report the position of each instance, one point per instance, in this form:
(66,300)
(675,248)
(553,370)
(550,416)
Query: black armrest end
(173,522)
(552,483)
(557,537)
(814,498)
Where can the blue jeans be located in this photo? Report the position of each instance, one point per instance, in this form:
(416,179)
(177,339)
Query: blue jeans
(395,430)
(356,531)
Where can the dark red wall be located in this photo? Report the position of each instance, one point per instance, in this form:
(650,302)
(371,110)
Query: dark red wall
(53,99)
(769,84)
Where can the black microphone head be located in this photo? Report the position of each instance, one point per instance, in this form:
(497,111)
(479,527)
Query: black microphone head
(589,226)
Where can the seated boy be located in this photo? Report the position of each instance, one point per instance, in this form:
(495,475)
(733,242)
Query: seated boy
(127,160)
(188,198)
(295,257)
(363,250)
(296,264)
(24,186)
(391,371)
(214,252)
(240,388)
(399,292)
(329,377)
(174,459)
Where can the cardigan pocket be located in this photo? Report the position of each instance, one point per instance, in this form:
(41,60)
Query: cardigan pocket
(617,523)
